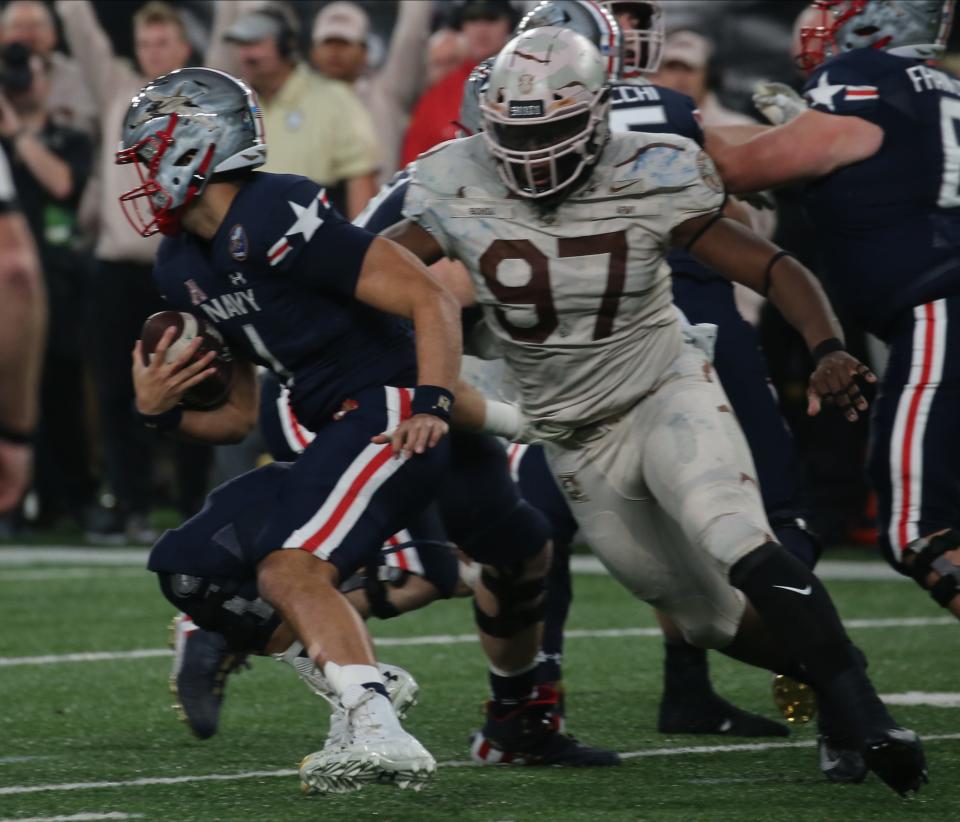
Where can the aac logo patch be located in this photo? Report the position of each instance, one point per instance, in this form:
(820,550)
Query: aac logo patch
(237,243)
(708,173)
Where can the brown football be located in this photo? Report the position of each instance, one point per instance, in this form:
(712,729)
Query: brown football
(213,391)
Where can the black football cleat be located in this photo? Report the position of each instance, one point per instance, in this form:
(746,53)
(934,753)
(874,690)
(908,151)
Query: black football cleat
(840,763)
(897,757)
(201,663)
(525,734)
(839,756)
(712,715)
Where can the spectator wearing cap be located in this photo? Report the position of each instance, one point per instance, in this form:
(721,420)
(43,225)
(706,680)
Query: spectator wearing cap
(123,293)
(315,126)
(69,101)
(340,33)
(486,26)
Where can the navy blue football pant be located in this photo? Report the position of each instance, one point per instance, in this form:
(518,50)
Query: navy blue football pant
(529,469)
(914,455)
(341,500)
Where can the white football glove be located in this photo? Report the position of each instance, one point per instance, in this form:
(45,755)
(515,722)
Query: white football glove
(778,102)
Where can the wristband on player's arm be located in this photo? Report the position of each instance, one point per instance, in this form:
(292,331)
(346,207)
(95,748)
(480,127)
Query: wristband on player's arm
(432,399)
(14,437)
(164,421)
(828,346)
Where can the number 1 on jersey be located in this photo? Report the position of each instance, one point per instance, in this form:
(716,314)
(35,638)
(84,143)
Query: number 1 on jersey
(536,292)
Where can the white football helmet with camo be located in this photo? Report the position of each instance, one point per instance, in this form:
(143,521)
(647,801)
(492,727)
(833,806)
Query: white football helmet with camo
(180,130)
(545,110)
(908,28)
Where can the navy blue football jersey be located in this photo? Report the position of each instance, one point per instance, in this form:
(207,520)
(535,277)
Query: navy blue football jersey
(889,226)
(386,208)
(278,280)
(650,108)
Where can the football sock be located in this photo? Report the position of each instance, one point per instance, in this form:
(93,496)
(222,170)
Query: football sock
(556,606)
(511,689)
(685,669)
(342,677)
(690,705)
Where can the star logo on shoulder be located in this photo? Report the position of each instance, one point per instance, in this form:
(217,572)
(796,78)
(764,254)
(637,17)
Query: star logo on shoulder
(823,92)
(308,220)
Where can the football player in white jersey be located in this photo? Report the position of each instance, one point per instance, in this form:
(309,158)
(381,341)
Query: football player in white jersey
(564,228)
(689,703)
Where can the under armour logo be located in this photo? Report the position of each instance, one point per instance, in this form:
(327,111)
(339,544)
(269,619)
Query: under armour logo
(237,278)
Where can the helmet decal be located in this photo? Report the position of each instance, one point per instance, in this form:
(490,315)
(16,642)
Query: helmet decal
(179,131)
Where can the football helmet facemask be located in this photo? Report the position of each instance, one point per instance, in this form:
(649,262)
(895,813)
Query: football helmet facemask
(545,110)
(643,39)
(907,28)
(179,131)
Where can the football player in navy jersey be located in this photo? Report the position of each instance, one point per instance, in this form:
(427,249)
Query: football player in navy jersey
(879,146)
(295,288)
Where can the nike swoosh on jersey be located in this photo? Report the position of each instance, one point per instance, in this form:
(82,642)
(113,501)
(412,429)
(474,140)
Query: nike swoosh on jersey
(804,592)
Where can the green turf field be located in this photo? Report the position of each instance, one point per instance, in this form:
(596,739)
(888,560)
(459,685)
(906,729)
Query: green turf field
(68,724)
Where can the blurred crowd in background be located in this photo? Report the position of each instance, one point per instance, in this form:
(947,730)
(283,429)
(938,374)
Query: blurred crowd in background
(351,92)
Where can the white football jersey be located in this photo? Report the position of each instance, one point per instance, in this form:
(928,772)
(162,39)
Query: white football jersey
(579,297)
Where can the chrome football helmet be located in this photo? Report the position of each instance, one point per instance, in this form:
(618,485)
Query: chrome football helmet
(180,130)
(908,28)
(545,110)
(471,120)
(643,41)
(585,17)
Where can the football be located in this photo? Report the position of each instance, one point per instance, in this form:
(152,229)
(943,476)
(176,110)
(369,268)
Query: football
(213,391)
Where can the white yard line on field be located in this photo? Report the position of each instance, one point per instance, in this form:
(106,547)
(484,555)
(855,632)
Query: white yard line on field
(76,817)
(44,574)
(62,555)
(447,639)
(226,777)
(65,555)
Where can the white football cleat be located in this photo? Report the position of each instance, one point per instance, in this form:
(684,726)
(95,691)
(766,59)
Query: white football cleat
(373,749)
(400,684)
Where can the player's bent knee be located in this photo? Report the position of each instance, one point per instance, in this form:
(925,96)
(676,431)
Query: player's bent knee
(730,537)
(930,555)
(519,597)
(519,534)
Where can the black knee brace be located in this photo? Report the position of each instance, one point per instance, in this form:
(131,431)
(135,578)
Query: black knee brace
(519,604)
(929,557)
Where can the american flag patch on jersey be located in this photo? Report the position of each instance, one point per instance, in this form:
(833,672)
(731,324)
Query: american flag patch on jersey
(854,94)
(278,251)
